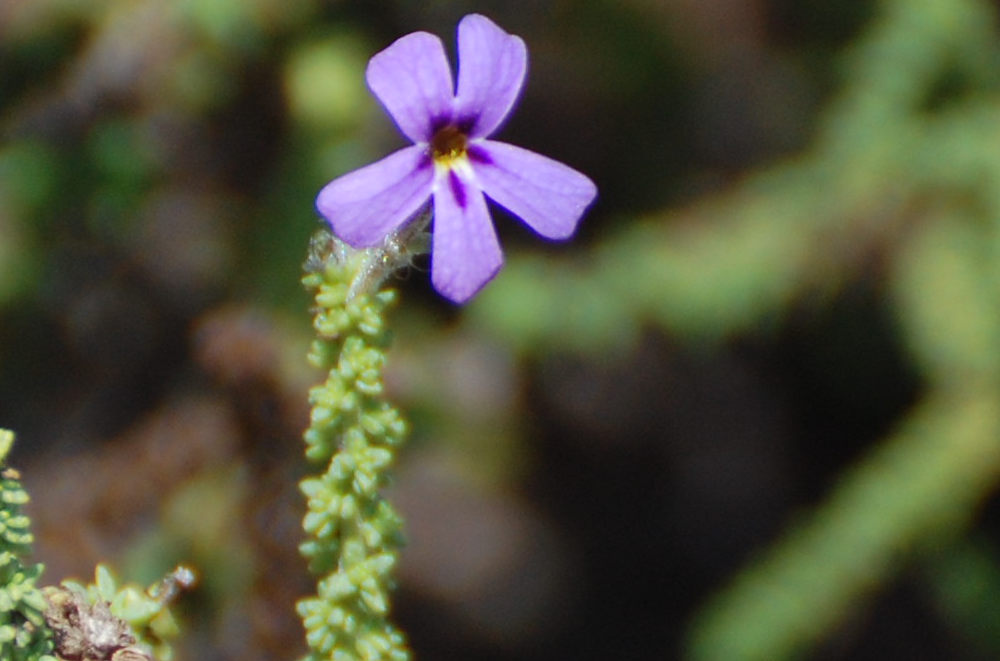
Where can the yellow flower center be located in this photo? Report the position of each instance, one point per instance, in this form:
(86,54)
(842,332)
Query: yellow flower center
(448,145)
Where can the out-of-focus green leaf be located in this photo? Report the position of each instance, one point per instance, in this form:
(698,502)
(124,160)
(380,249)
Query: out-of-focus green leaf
(325,85)
(946,289)
(922,481)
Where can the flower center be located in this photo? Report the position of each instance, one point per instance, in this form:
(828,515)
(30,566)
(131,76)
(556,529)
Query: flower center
(448,144)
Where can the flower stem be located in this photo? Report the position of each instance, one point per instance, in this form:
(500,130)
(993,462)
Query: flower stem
(353,533)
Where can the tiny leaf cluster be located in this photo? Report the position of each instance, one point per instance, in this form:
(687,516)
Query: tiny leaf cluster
(144,614)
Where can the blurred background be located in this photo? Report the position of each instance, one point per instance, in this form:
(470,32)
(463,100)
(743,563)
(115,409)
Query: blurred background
(752,411)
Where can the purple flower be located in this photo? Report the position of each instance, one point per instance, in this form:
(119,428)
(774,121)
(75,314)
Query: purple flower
(452,160)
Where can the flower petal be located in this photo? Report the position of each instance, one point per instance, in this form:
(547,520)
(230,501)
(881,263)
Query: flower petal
(413,81)
(363,206)
(465,253)
(547,195)
(491,69)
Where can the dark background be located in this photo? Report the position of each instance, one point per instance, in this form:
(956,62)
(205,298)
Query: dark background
(755,342)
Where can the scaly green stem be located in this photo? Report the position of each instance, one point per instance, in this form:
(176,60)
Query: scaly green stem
(353,533)
(24,635)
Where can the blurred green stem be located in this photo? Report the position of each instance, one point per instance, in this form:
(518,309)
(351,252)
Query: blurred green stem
(925,480)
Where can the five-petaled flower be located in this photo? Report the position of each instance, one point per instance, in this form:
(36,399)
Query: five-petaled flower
(452,160)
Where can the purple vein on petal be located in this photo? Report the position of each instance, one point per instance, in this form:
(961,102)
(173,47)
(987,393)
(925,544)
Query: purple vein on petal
(465,252)
(363,206)
(457,189)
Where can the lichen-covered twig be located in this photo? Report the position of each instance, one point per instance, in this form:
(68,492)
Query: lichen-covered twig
(107,621)
(102,622)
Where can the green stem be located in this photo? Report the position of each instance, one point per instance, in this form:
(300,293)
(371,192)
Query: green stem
(354,534)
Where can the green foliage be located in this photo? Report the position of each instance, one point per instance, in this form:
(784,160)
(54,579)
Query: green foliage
(104,137)
(922,482)
(902,181)
(23,634)
(353,533)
